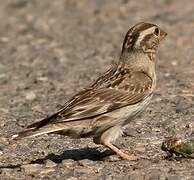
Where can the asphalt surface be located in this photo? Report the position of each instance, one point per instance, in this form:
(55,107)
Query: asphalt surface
(49,50)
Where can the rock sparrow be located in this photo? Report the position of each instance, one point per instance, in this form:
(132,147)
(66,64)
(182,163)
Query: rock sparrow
(102,109)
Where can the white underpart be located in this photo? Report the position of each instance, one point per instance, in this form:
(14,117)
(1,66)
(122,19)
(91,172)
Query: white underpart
(120,118)
(143,34)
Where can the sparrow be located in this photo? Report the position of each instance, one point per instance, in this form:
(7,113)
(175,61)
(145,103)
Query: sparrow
(102,109)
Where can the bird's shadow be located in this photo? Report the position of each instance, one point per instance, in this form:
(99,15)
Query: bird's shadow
(75,154)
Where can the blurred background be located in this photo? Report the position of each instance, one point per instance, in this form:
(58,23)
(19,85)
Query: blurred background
(51,49)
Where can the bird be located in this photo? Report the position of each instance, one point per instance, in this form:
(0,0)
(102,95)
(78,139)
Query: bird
(105,107)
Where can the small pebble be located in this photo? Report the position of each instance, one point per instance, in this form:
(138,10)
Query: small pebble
(68,162)
(140,148)
(3,110)
(30,96)
(72,178)
(86,162)
(50,164)
(43,79)
(4,39)
(167,74)
(174,63)
(31,168)
(47,170)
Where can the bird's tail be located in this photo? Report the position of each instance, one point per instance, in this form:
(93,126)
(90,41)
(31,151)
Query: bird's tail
(33,132)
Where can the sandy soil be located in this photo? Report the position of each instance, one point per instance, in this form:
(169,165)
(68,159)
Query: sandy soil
(51,49)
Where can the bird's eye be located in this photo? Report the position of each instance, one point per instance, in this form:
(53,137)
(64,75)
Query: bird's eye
(157,32)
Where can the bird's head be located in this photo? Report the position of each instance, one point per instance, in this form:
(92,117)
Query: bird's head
(143,36)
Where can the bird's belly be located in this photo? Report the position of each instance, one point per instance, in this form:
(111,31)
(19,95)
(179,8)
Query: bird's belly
(119,117)
(124,115)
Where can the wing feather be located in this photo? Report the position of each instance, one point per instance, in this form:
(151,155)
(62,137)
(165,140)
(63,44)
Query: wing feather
(115,89)
(93,102)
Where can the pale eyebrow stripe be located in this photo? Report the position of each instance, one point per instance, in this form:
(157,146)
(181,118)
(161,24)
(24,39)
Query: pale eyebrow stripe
(144,33)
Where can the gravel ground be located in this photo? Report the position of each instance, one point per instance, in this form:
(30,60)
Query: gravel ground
(51,49)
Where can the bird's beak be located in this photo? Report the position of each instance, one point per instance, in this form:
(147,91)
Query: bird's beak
(163,34)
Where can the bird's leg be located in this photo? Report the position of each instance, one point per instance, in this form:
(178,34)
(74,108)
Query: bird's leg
(119,152)
(124,150)
(111,135)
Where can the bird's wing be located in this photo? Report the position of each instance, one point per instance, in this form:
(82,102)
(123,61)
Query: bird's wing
(103,96)
(126,89)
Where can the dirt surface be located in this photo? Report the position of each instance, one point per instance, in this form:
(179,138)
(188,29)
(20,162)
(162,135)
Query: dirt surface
(51,49)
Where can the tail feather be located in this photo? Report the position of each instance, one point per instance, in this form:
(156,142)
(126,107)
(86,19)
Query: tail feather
(39,128)
(33,132)
(43,122)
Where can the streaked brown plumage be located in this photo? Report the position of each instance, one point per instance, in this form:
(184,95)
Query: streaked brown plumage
(102,109)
